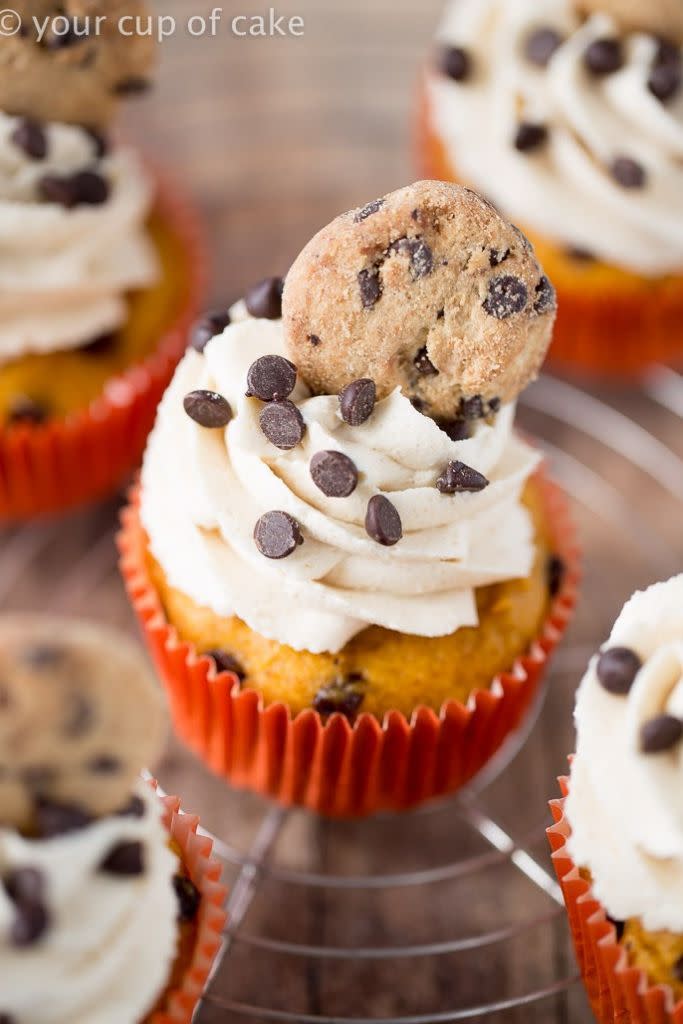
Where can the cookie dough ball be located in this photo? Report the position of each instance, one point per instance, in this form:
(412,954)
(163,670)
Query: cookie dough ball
(80,716)
(74,78)
(657,17)
(428,289)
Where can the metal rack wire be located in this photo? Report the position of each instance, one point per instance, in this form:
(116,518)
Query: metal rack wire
(484,845)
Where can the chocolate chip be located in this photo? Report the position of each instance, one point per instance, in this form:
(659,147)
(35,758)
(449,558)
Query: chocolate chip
(420,255)
(189,897)
(53,819)
(440,313)
(29,925)
(494,404)
(39,777)
(382,521)
(604,56)
(133,86)
(556,571)
(668,52)
(628,173)
(212,323)
(530,136)
(458,477)
(79,717)
(104,764)
(126,859)
(423,364)
(577,252)
(283,424)
(541,45)
(74,33)
(617,669)
(677,969)
(664,81)
(25,885)
(660,734)
(456,63)
(471,408)
(314,340)
(334,474)
(100,346)
(498,256)
(368,210)
(457,429)
(208,409)
(341,697)
(357,401)
(5,1018)
(99,141)
(271,378)
(27,411)
(619,927)
(135,808)
(277,534)
(227,662)
(29,136)
(264,299)
(85,188)
(370,287)
(507,296)
(545,296)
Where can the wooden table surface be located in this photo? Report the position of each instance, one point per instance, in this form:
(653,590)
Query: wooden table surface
(273,138)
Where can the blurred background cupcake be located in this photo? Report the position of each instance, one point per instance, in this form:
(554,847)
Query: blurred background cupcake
(100,266)
(568,115)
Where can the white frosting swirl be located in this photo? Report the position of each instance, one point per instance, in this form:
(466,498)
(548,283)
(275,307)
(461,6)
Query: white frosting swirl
(64,272)
(625,807)
(203,491)
(564,190)
(109,949)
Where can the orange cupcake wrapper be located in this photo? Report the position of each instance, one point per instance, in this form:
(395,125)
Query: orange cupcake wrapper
(617,333)
(332,767)
(50,467)
(618,993)
(205,871)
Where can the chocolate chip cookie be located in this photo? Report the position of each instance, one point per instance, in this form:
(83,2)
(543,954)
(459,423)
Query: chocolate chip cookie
(77,75)
(427,289)
(659,17)
(80,716)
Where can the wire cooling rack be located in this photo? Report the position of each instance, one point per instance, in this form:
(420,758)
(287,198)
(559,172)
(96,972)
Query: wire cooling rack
(451,912)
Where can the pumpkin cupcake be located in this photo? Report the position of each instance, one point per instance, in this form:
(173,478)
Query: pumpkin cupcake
(99,265)
(618,840)
(342,554)
(110,908)
(568,115)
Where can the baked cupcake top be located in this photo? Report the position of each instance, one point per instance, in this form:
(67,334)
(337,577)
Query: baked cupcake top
(570,122)
(314,503)
(87,903)
(625,803)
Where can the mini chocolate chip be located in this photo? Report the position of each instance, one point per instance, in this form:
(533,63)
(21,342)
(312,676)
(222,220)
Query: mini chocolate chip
(660,734)
(556,571)
(494,404)
(29,136)
(99,140)
(334,474)
(125,859)
(208,409)
(457,477)
(420,255)
(577,252)
(341,697)
(271,378)
(189,897)
(212,323)
(677,969)
(628,173)
(541,46)
(382,521)
(440,313)
(471,408)
(53,819)
(80,715)
(38,777)
(135,808)
(283,424)
(26,410)
(357,401)
(545,296)
(664,81)
(277,534)
(133,86)
(530,136)
(507,296)
(456,63)
(104,764)
(29,925)
(73,34)
(370,287)
(314,340)
(25,885)
(457,429)
(604,56)
(227,662)
(85,188)
(100,346)
(264,299)
(368,210)
(498,256)
(617,669)
(423,364)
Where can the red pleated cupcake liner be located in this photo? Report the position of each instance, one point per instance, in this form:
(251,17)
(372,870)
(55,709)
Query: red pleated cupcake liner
(180,1002)
(332,767)
(613,333)
(618,992)
(51,467)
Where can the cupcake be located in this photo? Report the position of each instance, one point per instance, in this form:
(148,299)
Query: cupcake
(349,568)
(110,907)
(618,837)
(100,266)
(568,115)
